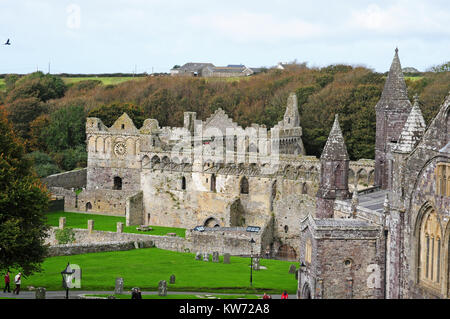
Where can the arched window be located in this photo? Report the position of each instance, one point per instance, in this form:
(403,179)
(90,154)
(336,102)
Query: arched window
(213,183)
(183,183)
(244,185)
(308,251)
(430,251)
(117,183)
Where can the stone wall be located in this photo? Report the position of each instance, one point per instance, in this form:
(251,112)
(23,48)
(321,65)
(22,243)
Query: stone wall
(135,210)
(73,179)
(112,202)
(346,254)
(235,241)
(76,249)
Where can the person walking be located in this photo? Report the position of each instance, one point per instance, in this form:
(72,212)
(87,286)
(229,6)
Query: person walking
(17,281)
(266,296)
(7,281)
(284,295)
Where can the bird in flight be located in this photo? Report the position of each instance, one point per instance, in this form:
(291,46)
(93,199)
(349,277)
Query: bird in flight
(7,42)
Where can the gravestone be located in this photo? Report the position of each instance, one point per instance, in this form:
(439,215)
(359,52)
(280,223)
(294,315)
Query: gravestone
(162,288)
(215,257)
(172,279)
(256,265)
(292,269)
(226,258)
(119,286)
(40,293)
(136,245)
(62,222)
(205,257)
(90,225)
(120,227)
(198,256)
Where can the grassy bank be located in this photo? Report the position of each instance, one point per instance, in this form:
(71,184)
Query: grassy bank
(144,268)
(104,80)
(107,223)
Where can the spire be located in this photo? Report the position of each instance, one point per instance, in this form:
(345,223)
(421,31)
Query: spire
(395,86)
(413,130)
(335,148)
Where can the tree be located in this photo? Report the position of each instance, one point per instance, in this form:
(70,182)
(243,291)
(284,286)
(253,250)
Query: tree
(43,164)
(22,111)
(66,129)
(23,201)
(444,67)
(39,85)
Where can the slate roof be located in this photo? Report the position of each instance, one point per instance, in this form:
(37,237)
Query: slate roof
(395,93)
(335,148)
(194,66)
(412,131)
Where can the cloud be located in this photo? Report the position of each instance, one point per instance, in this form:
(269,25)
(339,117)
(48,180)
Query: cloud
(402,17)
(246,26)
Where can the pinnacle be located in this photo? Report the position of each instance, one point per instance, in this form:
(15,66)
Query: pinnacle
(395,86)
(335,148)
(413,130)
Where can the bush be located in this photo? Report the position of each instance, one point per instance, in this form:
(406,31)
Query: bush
(43,164)
(70,159)
(65,236)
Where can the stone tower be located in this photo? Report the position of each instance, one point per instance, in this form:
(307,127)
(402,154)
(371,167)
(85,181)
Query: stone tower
(334,166)
(392,110)
(291,116)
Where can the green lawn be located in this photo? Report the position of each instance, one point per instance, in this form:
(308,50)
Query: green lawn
(106,223)
(144,268)
(104,80)
(2,84)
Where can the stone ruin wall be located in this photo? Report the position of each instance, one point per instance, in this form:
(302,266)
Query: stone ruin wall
(235,242)
(73,179)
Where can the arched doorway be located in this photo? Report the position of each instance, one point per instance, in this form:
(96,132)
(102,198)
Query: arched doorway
(306,292)
(211,222)
(117,183)
(88,206)
(213,183)
(183,183)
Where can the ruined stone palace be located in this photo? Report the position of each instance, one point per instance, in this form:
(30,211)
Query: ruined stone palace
(210,173)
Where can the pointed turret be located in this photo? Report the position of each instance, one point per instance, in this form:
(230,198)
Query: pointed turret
(335,148)
(412,131)
(334,166)
(395,86)
(392,111)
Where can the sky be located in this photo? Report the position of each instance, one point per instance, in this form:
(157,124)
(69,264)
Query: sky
(106,36)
